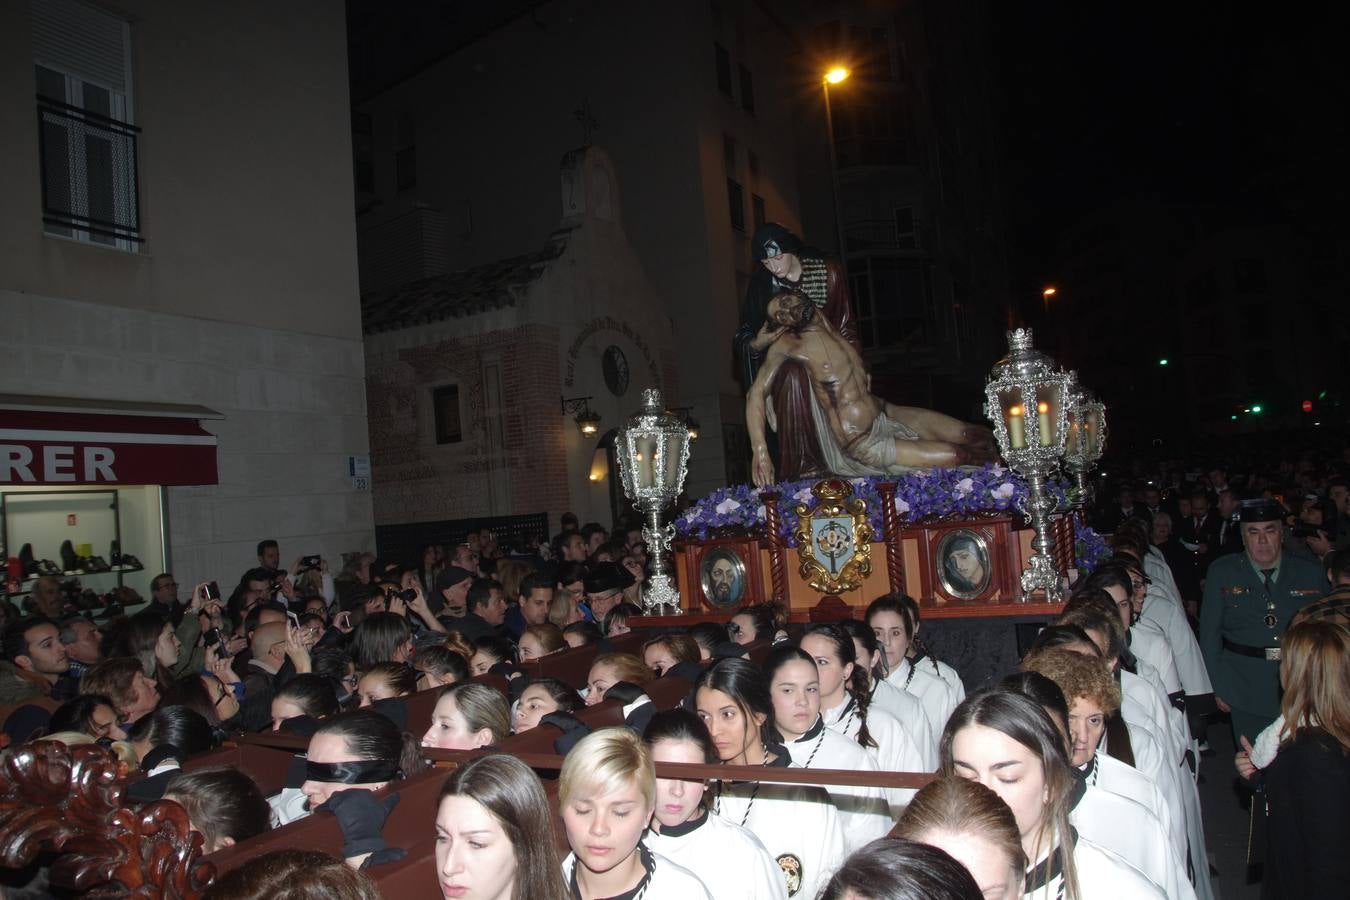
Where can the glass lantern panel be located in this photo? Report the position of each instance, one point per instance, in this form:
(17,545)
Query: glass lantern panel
(1049,407)
(1014,414)
(1073,442)
(674,452)
(1092,424)
(645,447)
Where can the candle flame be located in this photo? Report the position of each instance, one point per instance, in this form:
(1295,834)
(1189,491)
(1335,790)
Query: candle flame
(1014,410)
(1042,407)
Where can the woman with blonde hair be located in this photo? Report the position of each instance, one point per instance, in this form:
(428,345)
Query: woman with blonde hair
(1008,743)
(467,716)
(611,668)
(975,827)
(540,640)
(1307,785)
(563,611)
(607,794)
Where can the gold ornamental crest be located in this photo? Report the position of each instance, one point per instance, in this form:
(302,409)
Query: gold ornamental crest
(834,540)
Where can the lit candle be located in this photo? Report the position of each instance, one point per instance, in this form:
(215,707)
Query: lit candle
(1043,421)
(1090,435)
(1017,430)
(1071,447)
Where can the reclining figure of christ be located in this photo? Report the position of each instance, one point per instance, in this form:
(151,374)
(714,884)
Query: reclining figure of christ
(858,432)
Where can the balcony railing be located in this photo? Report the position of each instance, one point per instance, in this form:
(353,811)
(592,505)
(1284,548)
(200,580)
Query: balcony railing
(88,164)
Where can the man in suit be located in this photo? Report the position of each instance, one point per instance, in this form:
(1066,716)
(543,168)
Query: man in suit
(1229,537)
(1199,533)
(1249,599)
(1124,508)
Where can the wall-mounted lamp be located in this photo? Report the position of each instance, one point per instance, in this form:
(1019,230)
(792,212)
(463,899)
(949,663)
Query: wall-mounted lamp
(686,413)
(587,421)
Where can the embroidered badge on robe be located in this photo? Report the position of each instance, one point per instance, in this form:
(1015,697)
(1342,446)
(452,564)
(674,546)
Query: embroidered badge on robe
(792,871)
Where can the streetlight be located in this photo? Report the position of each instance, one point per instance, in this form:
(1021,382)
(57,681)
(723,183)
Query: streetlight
(1046,294)
(835,75)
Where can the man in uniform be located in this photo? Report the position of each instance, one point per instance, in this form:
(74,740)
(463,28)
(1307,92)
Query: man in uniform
(1249,599)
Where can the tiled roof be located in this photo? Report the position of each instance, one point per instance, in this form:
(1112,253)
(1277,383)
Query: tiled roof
(440,297)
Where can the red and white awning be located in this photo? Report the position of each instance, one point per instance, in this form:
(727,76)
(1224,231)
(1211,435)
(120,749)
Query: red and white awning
(63,441)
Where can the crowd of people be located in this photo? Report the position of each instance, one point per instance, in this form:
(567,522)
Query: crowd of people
(1073,777)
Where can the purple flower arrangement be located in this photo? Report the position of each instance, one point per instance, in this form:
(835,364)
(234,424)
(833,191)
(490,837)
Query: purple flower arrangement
(930,494)
(1089,549)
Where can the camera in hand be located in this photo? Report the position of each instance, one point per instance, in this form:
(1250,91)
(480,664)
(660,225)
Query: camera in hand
(212,591)
(407,596)
(1307,530)
(310,562)
(216,638)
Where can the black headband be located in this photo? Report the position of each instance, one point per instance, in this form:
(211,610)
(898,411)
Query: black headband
(365,771)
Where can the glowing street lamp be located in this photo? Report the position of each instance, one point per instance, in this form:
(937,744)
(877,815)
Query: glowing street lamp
(836,75)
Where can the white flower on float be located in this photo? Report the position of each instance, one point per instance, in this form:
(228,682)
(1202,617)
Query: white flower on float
(1004,491)
(901,506)
(965,487)
(726,506)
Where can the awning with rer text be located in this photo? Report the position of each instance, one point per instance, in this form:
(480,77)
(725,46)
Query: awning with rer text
(62,441)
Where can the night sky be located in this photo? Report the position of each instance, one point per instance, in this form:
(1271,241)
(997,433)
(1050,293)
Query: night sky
(1245,113)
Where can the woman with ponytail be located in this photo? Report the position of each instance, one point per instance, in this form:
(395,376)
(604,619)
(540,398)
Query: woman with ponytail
(1008,743)
(904,706)
(796,823)
(894,619)
(794,686)
(845,706)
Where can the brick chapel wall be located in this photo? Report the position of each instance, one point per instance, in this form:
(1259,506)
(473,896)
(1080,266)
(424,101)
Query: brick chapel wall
(510,461)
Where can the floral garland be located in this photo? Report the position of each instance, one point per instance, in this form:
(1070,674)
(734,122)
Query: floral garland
(921,495)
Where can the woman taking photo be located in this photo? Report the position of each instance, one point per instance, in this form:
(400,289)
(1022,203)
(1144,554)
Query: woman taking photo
(1008,743)
(794,686)
(973,826)
(797,824)
(494,834)
(719,852)
(1308,783)
(607,793)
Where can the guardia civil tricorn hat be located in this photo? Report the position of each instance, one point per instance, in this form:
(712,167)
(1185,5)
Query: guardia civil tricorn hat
(771,239)
(1262,510)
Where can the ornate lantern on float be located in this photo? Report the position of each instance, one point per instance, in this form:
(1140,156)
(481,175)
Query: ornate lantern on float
(1085,442)
(1027,400)
(652,449)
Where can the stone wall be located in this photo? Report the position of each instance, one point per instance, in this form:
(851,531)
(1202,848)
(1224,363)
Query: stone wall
(294,407)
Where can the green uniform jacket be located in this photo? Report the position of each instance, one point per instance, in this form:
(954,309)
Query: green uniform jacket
(1234,608)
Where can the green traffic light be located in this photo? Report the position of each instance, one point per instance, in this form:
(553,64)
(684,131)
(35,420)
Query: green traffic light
(1234,417)
(1256,408)
(1163,361)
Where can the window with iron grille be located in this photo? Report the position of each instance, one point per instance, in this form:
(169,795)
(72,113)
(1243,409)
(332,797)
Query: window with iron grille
(747,90)
(87,139)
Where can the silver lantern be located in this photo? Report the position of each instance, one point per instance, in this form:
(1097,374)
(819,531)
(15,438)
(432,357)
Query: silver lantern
(652,449)
(1027,400)
(1085,441)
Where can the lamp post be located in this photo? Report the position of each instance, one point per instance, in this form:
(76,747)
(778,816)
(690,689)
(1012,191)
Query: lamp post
(1026,399)
(835,75)
(652,449)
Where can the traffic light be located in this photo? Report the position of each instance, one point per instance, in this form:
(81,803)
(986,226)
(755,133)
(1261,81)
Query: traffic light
(1306,406)
(1163,361)
(1256,408)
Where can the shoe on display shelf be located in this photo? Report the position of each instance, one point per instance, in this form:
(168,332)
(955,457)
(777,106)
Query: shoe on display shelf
(130,563)
(70,563)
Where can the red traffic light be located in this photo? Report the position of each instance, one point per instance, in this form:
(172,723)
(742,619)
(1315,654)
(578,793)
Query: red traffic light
(1307,405)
